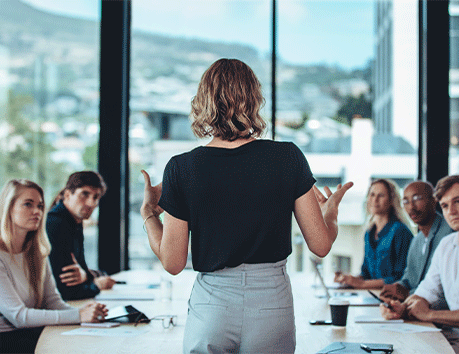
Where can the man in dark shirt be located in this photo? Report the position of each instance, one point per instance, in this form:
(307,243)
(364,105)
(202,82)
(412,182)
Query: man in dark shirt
(64,226)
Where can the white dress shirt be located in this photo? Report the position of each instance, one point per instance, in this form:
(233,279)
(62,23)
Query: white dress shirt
(443,276)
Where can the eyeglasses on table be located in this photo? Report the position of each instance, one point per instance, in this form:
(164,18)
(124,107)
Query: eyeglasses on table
(167,320)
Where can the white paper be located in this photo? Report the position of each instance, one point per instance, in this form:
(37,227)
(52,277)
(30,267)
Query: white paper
(375,319)
(406,328)
(122,331)
(128,292)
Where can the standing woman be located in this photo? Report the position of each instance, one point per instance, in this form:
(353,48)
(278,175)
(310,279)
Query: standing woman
(235,196)
(387,239)
(29,298)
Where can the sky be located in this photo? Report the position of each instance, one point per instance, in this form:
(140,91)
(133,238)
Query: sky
(339,32)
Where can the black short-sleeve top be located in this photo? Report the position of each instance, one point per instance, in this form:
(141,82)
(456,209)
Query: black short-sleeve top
(238,202)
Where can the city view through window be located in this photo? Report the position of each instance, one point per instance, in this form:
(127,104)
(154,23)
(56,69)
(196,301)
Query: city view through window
(337,60)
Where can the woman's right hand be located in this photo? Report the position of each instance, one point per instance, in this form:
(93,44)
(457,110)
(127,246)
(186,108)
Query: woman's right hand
(151,197)
(93,312)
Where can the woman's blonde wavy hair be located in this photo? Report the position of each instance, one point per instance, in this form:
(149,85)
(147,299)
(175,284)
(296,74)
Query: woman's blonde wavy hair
(228,102)
(36,246)
(396,209)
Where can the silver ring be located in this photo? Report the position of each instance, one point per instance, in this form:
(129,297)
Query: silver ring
(99,317)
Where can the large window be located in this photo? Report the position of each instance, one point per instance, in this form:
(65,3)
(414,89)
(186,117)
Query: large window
(348,97)
(336,60)
(49,95)
(173,43)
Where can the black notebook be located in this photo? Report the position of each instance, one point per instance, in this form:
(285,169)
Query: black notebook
(126,314)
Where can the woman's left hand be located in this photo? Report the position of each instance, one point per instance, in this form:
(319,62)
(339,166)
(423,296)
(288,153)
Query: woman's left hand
(151,197)
(329,205)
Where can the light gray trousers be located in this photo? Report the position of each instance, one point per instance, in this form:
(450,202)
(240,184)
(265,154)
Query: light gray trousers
(246,309)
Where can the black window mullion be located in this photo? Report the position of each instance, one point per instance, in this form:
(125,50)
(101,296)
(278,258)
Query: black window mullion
(113,141)
(434,110)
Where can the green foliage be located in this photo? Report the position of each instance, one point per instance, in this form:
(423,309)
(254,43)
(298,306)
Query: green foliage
(353,106)
(90,157)
(24,151)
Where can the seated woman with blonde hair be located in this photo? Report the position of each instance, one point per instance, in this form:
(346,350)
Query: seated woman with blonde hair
(387,239)
(29,298)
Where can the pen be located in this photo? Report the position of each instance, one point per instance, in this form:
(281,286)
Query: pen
(120,282)
(380,300)
(365,347)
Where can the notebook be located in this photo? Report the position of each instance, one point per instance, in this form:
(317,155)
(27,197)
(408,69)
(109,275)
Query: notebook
(128,314)
(355,299)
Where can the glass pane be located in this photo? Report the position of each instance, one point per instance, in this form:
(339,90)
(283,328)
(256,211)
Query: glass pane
(173,43)
(348,97)
(454,87)
(49,95)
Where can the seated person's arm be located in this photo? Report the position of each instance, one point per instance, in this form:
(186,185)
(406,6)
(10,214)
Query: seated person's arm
(52,299)
(428,291)
(13,308)
(420,309)
(417,308)
(395,291)
(104,282)
(61,260)
(360,282)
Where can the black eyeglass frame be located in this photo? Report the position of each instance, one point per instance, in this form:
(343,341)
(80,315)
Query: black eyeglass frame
(167,320)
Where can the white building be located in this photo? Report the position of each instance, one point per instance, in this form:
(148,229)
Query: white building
(395,76)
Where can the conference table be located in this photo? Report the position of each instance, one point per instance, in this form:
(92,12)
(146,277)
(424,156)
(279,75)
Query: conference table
(149,292)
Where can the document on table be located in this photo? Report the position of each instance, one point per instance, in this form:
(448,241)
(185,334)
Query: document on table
(404,328)
(374,319)
(128,292)
(123,331)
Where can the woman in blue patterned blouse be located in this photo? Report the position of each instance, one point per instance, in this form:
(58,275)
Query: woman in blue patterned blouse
(387,239)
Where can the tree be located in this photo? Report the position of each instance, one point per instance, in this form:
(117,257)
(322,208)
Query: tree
(24,151)
(353,106)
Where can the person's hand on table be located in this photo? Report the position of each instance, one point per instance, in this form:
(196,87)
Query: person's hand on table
(394,291)
(73,274)
(338,277)
(347,279)
(151,198)
(93,312)
(104,282)
(398,310)
(418,308)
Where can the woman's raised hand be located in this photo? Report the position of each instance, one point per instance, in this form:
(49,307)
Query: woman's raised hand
(329,204)
(151,197)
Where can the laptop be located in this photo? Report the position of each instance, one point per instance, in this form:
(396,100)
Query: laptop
(355,299)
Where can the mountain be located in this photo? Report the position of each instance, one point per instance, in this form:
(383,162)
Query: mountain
(17,17)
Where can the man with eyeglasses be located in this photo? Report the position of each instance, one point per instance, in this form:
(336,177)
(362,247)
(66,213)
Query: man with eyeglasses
(442,277)
(419,204)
